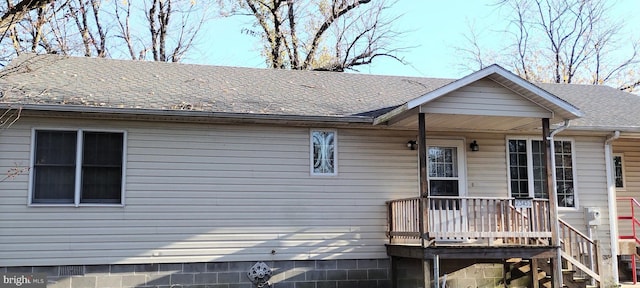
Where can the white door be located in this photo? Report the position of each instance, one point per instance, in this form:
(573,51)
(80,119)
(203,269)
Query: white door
(447,181)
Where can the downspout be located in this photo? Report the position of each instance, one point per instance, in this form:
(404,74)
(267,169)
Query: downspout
(558,272)
(611,197)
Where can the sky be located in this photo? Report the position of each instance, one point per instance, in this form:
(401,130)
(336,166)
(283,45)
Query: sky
(434,27)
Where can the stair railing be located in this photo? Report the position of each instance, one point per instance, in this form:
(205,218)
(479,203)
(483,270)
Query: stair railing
(633,220)
(580,251)
(635,227)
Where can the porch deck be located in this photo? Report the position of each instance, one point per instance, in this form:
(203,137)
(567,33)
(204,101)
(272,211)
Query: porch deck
(486,229)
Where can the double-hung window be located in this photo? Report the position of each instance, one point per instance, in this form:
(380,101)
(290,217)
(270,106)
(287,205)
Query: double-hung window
(324,152)
(77,167)
(528,173)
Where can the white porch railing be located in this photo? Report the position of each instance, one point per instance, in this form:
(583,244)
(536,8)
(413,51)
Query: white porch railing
(487,221)
(580,252)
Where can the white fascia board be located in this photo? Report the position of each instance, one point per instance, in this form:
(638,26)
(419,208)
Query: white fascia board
(540,92)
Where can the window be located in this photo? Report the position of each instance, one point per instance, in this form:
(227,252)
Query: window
(323,147)
(77,167)
(527,172)
(618,166)
(445,168)
(443,171)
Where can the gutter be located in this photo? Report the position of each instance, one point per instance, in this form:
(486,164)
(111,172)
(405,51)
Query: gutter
(608,129)
(245,117)
(611,198)
(552,150)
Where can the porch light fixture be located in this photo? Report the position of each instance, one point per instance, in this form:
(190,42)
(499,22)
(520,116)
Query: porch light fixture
(474,146)
(412,144)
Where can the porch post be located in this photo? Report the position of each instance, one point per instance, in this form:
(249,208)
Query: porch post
(424,189)
(394,271)
(422,153)
(535,282)
(426,273)
(556,264)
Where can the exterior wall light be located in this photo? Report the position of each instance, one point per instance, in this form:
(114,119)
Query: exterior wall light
(412,144)
(474,146)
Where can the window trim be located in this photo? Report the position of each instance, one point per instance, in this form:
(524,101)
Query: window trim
(529,140)
(78,166)
(335,152)
(624,176)
(460,144)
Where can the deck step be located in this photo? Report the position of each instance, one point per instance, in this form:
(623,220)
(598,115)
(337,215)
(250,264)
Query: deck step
(518,271)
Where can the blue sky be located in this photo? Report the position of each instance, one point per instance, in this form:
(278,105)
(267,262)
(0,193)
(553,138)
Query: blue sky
(436,27)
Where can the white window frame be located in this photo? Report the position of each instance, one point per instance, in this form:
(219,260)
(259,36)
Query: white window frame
(78,165)
(335,152)
(461,162)
(624,176)
(530,175)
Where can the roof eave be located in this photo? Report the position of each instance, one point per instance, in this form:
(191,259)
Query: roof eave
(389,115)
(190,113)
(626,129)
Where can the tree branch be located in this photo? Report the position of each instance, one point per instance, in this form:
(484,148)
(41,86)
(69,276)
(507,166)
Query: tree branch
(335,14)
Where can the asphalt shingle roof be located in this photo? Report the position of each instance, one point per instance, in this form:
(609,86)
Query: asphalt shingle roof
(602,105)
(94,82)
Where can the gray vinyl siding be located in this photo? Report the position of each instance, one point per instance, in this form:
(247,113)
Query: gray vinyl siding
(485,97)
(487,168)
(591,189)
(630,150)
(214,193)
(487,177)
(199,192)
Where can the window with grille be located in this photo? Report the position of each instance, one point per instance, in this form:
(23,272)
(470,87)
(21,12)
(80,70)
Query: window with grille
(323,152)
(528,174)
(618,166)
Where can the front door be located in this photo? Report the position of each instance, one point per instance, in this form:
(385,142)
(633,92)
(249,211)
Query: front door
(447,182)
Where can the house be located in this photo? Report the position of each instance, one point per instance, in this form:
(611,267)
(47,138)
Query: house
(146,174)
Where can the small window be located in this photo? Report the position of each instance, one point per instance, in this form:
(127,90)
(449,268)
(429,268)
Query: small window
(323,148)
(618,166)
(77,167)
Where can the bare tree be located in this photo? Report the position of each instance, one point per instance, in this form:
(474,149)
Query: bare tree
(69,27)
(167,29)
(16,12)
(8,117)
(92,34)
(172,27)
(564,41)
(331,35)
(10,114)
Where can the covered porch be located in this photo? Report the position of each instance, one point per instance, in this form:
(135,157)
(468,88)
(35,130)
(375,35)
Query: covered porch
(451,218)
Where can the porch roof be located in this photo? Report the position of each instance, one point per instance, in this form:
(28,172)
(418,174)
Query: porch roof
(489,99)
